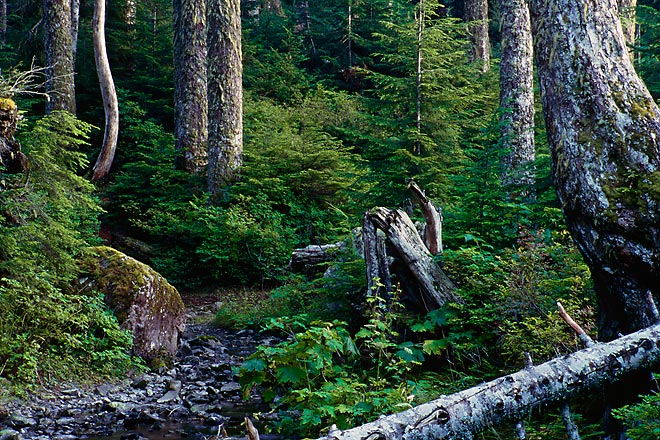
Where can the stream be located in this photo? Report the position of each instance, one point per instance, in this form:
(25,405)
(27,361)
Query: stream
(197,399)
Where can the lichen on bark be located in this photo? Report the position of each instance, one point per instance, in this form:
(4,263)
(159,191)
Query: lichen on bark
(225,93)
(603,129)
(190,84)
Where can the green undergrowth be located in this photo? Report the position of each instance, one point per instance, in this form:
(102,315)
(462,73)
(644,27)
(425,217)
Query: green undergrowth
(49,328)
(382,358)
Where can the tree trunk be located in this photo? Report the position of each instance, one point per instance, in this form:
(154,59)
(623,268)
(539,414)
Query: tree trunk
(75,24)
(3,22)
(108,93)
(461,415)
(225,92)
(190,91)
(309,257)
(433,217)
(603,129)
(379,280)
(406,245)
(59,56)
(476,14)
(517,96)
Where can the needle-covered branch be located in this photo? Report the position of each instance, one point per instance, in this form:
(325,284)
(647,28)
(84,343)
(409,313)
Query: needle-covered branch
(511,397)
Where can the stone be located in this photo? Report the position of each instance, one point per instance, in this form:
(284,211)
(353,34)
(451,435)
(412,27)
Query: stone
(230,387)
(19,421)
(143,301)
(10,434)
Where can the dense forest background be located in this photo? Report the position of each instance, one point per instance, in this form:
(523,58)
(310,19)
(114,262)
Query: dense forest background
(330,131)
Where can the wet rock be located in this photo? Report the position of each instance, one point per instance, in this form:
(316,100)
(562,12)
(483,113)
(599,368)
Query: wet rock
(202,388)
(230,387)
(10,434)
(19,421)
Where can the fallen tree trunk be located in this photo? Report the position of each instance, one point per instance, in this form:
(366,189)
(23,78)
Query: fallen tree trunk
(461,415)
(305,259)
(406,245)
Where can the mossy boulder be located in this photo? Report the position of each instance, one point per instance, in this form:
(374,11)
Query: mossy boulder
(143,302)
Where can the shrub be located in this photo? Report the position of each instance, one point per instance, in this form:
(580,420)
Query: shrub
(48,328)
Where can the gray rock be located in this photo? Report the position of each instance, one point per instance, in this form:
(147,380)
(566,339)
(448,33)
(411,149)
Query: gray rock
(230,387)
(170,396)
(10,434)
(20,421)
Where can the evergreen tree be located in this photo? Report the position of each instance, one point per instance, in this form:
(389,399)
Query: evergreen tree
(225,94)
(59,55)
(517,96)
(190,84)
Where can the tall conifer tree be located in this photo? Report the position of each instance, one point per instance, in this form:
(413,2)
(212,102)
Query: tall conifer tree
(517,94)
(476,13)
(190,89)
(225,93)
(59,55)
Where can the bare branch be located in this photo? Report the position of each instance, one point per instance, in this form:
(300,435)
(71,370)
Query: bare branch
(584,337)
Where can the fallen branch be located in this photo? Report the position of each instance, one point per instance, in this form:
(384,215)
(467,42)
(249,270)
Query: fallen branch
(309,257)
(511,397)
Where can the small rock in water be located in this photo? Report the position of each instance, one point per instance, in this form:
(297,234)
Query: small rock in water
(10,434)
(168,397)
(230,387)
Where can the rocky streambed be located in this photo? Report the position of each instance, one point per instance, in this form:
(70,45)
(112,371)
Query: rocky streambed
(199,398)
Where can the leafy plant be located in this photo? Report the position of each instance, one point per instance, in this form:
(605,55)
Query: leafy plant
(322,374)
(642,420)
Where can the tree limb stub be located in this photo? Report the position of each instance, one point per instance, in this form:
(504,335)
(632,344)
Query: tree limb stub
(433,217)
(511,397)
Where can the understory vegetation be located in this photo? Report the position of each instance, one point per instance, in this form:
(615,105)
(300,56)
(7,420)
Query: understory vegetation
(329,134)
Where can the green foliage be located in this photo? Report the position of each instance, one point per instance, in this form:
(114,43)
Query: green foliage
(322,374)
(647,48)
(642,420)
(511,299)
(48,328)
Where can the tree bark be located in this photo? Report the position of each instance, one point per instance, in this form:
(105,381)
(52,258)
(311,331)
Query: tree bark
(3,22)
(604,131)
(432,216)
(476,14)
(225,94)
(59,56)
(108,93)
(310,256)
(379,280)
(75,24)
(190,84)
(406,245)
(517,96)
(461,415)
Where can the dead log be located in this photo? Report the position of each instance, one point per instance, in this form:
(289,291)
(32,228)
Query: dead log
(310,257)
(407,246)
(379,280)
(461,415)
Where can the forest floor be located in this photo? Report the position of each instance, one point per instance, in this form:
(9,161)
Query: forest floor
(199,398)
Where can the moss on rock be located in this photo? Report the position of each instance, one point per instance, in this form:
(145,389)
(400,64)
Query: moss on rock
(143,301)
